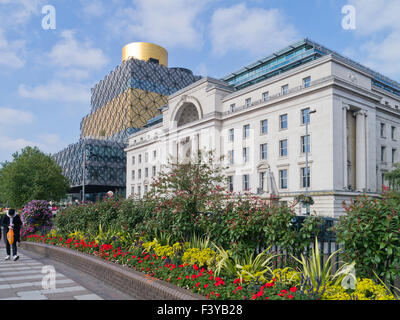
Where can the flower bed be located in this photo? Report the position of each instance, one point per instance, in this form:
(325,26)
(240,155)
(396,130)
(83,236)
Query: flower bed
(164,263)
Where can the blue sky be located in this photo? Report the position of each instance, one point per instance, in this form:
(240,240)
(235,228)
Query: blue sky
(46,75)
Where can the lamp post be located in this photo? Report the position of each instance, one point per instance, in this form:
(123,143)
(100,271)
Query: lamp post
(83,171)
(307,165)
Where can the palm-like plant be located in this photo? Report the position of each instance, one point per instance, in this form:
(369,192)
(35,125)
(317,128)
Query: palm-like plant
(318,272)
(200,242)
(249,268)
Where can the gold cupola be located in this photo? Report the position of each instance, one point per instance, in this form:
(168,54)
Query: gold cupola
(145,51)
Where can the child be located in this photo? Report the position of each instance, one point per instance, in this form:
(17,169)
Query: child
(11,221)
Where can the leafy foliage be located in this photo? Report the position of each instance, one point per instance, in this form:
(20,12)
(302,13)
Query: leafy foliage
(31,175)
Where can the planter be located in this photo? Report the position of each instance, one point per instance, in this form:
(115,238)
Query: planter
(120,277)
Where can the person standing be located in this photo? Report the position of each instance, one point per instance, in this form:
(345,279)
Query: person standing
(11,221)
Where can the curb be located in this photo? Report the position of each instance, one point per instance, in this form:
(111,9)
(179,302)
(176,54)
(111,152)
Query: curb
(117,276)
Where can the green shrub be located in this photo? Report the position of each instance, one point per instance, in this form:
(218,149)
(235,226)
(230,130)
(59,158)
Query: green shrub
(370,232)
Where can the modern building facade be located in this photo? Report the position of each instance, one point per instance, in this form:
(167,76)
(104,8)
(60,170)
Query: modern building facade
(258,119)
(122,103)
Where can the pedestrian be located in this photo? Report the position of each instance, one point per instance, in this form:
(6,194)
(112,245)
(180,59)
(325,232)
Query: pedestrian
(11,221)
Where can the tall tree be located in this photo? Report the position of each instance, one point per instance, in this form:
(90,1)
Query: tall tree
(32,175)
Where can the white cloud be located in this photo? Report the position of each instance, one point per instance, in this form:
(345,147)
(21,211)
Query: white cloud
(10,52)
(12,117)
(15,144)
(173,23)
(71,53)
(93,8)
(254,30)
(16,13)
(57,91)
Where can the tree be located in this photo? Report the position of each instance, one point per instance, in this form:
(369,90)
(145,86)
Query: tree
(394,177)
(32,175)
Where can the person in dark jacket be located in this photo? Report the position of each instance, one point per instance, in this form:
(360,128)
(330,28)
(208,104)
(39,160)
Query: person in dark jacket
(11,221)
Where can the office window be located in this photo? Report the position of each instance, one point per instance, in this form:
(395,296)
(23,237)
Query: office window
(230,183)
(283,178)
(305,116)
(146,172)
(283,121)
(305,144)
(140,158)
(248,102)
(133,174)
(246,155)
(306,82)
(305,177)
(140,174)
(262,180)
(133,160)
(246,182)
(246,131)
(154,171)
(383,149)
(382,130)
(232,107)
(264,126)
(265,96)
(232,157)
(283,152)
(393,155)
(285,89)
(263,151)
(393,133)
(231,135)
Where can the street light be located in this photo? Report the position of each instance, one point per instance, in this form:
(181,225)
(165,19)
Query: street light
(83,171)
(307,166)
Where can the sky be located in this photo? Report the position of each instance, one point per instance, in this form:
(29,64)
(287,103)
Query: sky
(46,74)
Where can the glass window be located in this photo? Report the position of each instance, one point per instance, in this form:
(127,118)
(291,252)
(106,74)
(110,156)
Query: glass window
(305,116)
(132,190)
(231,135)
(246,155)
(232,107)
(306,82)
(248,102)
(146,157)
(283,152)
(383,149)
(262,180)
(139,190)
(140,174)
(393,133)
(246,131)
(246,182)
(263,151)
(133,160)
(382,130)
(264,126)
(154,155)
(283,178)
(146,172)
(283,121)
(393,155)
(232,157)
(133,174)
(230,183)
(140,158)
(305,144)
(285,89)
(154,171)
(265,96)
(305,177)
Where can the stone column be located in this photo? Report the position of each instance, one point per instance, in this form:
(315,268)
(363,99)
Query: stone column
(361,179)
(345,160)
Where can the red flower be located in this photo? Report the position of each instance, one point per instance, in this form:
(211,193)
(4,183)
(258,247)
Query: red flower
(206,285)
(290,296)
(293,289)
(284,291)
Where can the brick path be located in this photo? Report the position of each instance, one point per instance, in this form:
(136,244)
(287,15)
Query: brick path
(22,280)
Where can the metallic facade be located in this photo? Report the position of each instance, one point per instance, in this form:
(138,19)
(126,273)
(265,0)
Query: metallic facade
(122,103)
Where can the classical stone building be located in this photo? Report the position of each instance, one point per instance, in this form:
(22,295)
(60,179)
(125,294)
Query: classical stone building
(258,119)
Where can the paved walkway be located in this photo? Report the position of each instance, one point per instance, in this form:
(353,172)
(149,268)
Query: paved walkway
(22,280)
